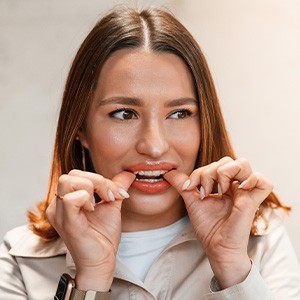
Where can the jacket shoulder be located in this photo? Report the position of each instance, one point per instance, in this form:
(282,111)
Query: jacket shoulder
(21,241)
(14,235)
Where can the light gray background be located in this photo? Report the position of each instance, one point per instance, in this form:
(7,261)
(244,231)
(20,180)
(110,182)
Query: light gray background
(252,47)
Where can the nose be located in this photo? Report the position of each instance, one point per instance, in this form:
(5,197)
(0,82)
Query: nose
(152,141)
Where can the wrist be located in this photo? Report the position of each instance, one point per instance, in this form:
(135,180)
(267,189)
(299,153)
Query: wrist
(231,273)
(95,283)
(67,289)
(97,278)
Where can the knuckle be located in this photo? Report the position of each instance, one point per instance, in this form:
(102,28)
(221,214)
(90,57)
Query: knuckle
(195,175)
(89,185)
(259,177)
(208,177)
(101,182)
(220,170)
(196,172)
(74,172)
(67,198)
(242,160)
(101,178)
(85,194)
(226,159)
(72,198)
(239,164)
(243,163)
(204,174)
(63,179)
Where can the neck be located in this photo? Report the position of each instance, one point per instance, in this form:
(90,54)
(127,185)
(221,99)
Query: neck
(134,222)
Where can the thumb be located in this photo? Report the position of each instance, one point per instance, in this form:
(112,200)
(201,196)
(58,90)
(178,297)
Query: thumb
(180,182)
(124,179)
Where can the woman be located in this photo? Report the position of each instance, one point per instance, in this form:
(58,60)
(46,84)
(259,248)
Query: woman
(146,198)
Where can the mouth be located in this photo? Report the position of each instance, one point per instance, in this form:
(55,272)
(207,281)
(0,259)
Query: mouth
(149,176)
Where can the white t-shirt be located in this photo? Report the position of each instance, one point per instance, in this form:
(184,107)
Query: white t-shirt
(138,250)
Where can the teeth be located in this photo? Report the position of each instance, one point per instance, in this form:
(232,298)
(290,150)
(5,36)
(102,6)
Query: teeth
(150,173)
(149,180)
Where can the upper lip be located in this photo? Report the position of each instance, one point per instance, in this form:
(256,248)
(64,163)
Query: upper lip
(151,166)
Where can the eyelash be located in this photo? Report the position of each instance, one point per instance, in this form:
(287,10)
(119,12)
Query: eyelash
(187,111)
(127,110)
(113,113)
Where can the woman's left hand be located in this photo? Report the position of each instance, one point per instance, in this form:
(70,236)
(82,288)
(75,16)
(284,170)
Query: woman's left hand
(223,220)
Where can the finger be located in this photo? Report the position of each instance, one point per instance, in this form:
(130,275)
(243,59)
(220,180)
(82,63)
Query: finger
(177,179)
(56,210)
(99,183)
(124,179)
(59,211)
(70,183)
(105,188)
(258,186)
(72,205)
(50,212)
(196,174)
(207,176)
(238,169)
(121,183)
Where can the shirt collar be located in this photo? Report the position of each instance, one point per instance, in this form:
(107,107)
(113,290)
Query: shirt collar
(30,245)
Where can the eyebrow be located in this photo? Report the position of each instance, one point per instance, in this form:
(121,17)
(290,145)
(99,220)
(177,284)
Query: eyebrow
(182,101)
(120,100)
(137,102)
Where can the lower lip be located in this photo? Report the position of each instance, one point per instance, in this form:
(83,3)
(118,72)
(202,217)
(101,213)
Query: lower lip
(151,187)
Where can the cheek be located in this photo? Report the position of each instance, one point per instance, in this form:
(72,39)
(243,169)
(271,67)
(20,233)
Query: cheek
(106,138)
(188,135)
(108,144)
(189,150)
(187,141)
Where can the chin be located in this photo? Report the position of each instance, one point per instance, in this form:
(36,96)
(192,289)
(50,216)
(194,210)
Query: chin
(153,204)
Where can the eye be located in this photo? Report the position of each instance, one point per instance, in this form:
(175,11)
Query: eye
(123,114)
(180,114)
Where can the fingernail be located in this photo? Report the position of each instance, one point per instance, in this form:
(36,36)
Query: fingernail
(242,184)
(110,195)
(123,193)
(219,190)
(93,201)
(202,193)
(186,184)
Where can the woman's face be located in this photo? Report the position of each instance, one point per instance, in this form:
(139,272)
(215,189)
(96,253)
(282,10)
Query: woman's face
(144,119)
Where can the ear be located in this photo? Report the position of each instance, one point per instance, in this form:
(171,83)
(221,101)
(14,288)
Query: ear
(82,137)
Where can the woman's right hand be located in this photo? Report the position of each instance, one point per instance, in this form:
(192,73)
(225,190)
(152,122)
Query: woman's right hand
(91,232)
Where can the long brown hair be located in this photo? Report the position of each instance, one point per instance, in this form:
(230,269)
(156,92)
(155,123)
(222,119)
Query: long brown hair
(128,28)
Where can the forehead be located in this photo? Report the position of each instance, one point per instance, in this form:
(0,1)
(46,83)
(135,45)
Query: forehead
(136,72)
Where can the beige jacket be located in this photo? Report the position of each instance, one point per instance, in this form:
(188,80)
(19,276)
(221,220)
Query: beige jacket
(31,270)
